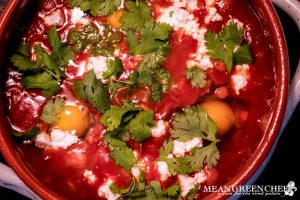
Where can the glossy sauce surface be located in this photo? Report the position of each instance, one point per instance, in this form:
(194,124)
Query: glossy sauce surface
(62,170)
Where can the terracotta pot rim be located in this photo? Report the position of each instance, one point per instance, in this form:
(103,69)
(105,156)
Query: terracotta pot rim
(252,164)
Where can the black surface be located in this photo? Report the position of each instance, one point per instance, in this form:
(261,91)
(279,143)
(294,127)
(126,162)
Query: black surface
(284,165)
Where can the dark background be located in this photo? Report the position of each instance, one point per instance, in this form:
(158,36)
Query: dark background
(284,165)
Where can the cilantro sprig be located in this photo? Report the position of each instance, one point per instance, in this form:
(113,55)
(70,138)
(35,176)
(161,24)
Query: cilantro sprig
(121,153)
(51,109)
(129,118)
(197,76)
(93,91)
(154,191)
(194,122)
(96,7)
(228,46)
(138,19)
(46,71)
(176,166)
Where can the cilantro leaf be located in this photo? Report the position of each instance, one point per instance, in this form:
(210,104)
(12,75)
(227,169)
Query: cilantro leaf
(121,153)
(221,46)
(194,122)
(93,91)
(179,165)
(43,73)
(216,50)
(115,116)
(193,192)
(60,52)
(209,155)
(172,191)
(51,109)
(115,67)
(196,76)
(231,35)
(139,127)
(243,55)
(166,148)
(136,16)
(115,189)
(21,59)
(175,165)
(154,60)
(96,7)
(104,7)
(42,81)
(153,37)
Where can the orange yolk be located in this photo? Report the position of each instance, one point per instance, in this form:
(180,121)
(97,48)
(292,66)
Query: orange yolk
(114,19)
(73,118)
(221,113)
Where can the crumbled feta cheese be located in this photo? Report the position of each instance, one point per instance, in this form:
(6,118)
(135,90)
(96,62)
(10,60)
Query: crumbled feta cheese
(180,19)
(57,139)
(89,176)
(159,130)
(78,17)
(206,63)
(135,172)
(62,139)
(199,177)
(186,184)
(163,170)
(42,140)
(105,192)
(192,5)
(54,19)
(27,142)
(240,77)
(237,22)
(99,65)
(180,148)
(239,82)
(212,15)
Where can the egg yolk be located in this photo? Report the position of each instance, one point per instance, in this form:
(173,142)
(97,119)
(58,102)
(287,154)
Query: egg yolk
(114,19)
(221,113)
(73,118)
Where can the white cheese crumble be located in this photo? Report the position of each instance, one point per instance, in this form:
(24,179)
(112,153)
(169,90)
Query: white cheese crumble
(57,139)
(240,77)
(54,19)
(180,148)
(62,139)
(212,15)
(179,18)
(79,17)
(188,182)
(237,22)
(159,130)
(136,172)
(89,176)
(162,168)
(105,192)
(42,140)
(99,65)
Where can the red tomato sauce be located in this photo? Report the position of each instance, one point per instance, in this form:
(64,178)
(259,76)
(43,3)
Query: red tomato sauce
(62,170)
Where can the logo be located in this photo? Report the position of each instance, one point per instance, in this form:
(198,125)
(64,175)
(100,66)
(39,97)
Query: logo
(255,190)
(290,189)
